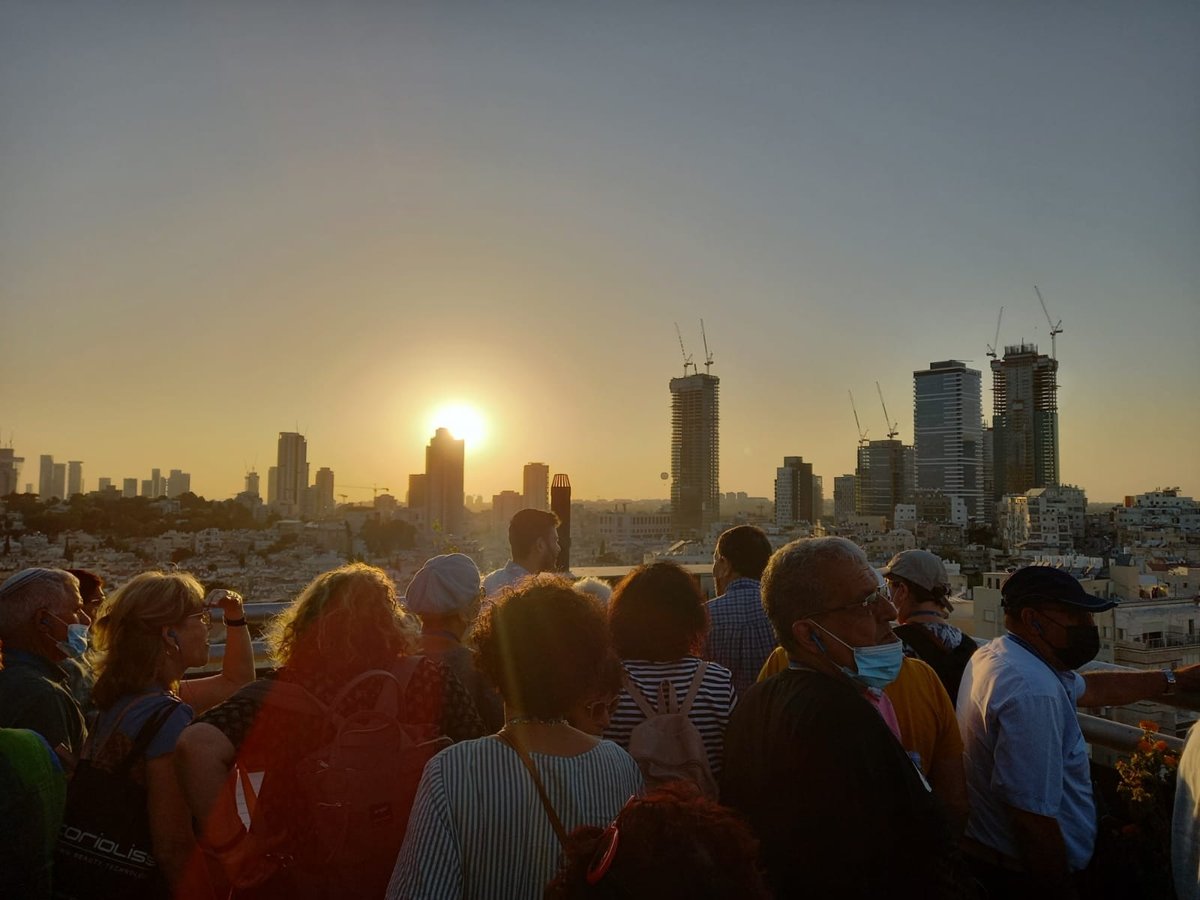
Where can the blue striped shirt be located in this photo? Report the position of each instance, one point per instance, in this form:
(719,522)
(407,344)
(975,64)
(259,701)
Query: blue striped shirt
(478,828)
(740,636)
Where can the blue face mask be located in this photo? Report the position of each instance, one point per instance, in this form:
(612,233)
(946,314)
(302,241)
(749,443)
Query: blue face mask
(76,643)
(877,665)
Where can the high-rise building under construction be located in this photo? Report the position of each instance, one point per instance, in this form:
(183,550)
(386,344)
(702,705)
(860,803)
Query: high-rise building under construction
(1024,421)
(695,454)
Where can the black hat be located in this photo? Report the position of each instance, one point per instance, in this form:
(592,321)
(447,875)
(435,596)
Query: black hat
(1033,585)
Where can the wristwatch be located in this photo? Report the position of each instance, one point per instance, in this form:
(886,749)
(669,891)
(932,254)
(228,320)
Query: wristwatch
(1169,674)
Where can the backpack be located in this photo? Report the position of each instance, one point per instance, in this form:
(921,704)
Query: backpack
(666,744)
(948,664)
(356,790)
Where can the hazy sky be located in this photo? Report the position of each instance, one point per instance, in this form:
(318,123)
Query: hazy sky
(219,221)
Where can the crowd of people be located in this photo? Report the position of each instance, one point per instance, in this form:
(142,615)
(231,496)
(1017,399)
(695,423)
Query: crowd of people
(819,729)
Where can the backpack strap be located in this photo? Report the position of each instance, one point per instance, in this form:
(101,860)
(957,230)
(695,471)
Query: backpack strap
(693,688)
(638,697)
(918,637)
(555,821)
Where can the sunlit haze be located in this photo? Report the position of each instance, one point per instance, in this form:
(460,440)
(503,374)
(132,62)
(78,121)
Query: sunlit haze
(362,221)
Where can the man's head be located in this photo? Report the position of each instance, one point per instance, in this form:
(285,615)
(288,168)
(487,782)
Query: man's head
(1050,609)
(91,589)
(37,608)
(533,540)
(742,552)
(824,599)
(919,581)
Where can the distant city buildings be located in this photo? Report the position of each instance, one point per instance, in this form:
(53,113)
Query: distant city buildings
(884,477)
(947,432)
(444,462)
(505,505)
(695,454)
(178,483)
(251,484)
(322,493)
(291,474)
(10,471)
(1024,421)
(74,478)
(794,495)
(843,497)
(46,477)
(537,486)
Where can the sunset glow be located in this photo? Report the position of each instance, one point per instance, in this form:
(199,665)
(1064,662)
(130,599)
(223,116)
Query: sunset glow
(463,421)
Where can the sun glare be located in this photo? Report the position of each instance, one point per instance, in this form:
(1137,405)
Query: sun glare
(463,421)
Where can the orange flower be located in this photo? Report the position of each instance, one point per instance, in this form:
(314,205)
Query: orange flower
(1160,746)
(1147,725)
(1144,745)
(1170,760)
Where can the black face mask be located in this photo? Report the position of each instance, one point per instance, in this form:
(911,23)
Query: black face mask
(1083,643)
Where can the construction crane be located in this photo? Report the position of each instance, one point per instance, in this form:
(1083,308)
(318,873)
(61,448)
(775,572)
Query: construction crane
(374,489)
(1055,327)
(862,435)
(991,350)
(708,357)
(892,432)
(687,359)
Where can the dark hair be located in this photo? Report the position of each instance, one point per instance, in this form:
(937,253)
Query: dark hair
(747,550)
(671,844)
(526,527)
(91,585)
(938,595)
(657,613)
(543,645)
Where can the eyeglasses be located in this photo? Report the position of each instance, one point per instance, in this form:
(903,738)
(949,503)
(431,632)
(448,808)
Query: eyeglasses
(882,592)
(606,847)
(597,708)
(204,616)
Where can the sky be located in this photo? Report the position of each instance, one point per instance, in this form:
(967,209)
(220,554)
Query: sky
(220,221)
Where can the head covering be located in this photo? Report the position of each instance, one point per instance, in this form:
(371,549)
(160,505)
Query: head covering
(445,585)
(25,577)
(1034,585)
(921,567)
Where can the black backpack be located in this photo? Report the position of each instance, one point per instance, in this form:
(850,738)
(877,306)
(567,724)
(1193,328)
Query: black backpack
(949,664)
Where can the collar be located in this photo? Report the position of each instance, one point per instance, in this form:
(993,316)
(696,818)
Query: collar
(25,659)
(1024,644)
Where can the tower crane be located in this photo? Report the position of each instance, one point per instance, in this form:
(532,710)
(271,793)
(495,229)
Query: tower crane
(1055,327)
(892,432)
(708,357)
(991,350)
(374,489)
(862,435)
(687,359)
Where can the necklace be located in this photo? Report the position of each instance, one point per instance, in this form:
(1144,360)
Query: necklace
(534,720)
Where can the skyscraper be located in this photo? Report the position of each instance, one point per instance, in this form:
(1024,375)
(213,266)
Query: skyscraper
(323,483)
(884,477)
(794,492)
(537,486)
(252,483)
(178,482)
(843,497)
(444,461)
(695,454)
(291,473)
(129,487)
(45,477)
(947,425)
(58,481)
(1024,421)
(10,471)
(74,477)
(560,503)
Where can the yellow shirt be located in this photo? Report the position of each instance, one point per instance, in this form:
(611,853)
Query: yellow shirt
(928,725)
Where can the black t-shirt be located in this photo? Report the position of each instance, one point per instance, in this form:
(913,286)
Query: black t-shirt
(838,807)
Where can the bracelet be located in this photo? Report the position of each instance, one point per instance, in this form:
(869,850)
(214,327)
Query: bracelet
(235,623)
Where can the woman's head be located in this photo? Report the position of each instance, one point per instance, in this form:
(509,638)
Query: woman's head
(657,613)
(669,844)
(148,632)
(346,620)
(544,646)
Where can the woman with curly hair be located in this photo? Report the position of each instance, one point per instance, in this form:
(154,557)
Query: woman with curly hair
(671,844)
(659,621)
(346,623)
(491,815)
(145,637)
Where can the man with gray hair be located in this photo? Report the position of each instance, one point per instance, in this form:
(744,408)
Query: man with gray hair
(812,755)
(42,623)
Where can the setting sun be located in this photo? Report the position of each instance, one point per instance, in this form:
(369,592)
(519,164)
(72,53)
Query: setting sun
(463,421)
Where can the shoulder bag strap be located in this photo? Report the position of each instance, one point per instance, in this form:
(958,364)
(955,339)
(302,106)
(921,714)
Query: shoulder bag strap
(145,735)
(638,697)
(537,783)
(403,672)
(694,688)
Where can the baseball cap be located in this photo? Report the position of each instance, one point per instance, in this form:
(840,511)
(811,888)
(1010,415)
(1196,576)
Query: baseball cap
(1040,584)
(445,585)
(921,567)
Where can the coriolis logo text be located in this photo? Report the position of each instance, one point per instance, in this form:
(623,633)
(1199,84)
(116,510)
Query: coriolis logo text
(98,845)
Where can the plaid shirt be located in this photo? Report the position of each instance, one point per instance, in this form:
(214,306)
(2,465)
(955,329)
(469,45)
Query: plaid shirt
(740,638)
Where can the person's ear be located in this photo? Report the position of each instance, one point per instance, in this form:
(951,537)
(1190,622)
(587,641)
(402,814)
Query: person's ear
(804,634)
(170,638)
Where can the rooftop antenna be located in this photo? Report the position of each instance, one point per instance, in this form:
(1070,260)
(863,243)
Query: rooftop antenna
(708,357)
(687,359)
(862,435)
(1055,327)
(991,350)
(892,432)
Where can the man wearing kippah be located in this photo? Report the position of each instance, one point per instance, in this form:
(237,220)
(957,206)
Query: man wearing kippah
(1032,826)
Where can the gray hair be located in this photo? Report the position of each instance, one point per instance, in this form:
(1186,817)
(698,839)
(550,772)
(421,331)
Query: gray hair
(27,591)
(802,579)
(596,587)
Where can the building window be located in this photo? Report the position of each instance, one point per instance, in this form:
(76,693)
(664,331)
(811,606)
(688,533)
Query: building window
(989,615)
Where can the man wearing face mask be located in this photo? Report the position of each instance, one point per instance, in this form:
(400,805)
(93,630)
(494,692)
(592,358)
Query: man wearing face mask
(1032,825)
(811,755)
(42,623)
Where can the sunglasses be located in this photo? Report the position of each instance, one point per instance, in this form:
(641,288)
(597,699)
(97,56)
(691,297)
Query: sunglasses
(204,616)
(606,848)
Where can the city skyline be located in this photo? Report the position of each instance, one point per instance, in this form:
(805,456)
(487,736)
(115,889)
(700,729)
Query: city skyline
(220,225)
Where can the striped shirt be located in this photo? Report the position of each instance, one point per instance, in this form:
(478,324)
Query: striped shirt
(739,635)
(478,828)
(710,711)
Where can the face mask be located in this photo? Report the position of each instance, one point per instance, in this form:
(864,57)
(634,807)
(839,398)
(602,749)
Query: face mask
(76,643)
(1083,644)
(878,665)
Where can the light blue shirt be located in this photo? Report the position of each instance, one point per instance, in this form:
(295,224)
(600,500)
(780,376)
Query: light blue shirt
(498,580)
(1023,748)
